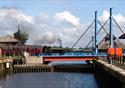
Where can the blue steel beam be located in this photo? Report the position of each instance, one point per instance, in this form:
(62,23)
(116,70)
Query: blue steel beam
(110,30)
(96,30)
(92,42)
(82,54)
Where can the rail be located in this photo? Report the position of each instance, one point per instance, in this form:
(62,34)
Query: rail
(72,54)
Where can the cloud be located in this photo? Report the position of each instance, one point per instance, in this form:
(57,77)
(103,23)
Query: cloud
(67,16)
(42,18)
(48,38)
(14,14)
(61,28)
(40,28)
(119,18)
(105,15)
(11,17)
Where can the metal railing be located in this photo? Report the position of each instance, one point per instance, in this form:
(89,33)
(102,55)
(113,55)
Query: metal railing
(72,54)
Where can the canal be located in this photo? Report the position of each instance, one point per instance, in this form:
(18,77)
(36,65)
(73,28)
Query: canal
(49,80)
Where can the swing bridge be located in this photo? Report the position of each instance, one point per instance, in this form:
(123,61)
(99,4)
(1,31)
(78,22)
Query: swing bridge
(94,54)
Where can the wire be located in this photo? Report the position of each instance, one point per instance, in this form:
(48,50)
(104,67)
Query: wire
(83,34)
(101,41)
(88,43)
(118,25)
(107,32)
(97,33)
(102,27)
(119,28)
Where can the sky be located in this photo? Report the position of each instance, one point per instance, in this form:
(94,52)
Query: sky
(81,8)
(56,22)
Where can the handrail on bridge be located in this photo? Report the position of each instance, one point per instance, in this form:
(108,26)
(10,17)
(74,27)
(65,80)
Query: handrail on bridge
(73,54)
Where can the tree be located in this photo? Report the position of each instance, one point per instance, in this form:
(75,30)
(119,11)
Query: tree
(21,36)
(46,49)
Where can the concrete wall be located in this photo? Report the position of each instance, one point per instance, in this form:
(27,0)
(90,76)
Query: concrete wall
(1,68)
(109,76)
(34,60)
(6,67)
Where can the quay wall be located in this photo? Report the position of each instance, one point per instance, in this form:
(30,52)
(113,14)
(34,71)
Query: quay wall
(34,60)
(1,68)
(84,68)
(6,66)
(108,76)
(31,68)
(54,68)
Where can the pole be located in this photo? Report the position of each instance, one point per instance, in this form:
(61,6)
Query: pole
(110,34)
(92,45)
(96,47)
(92,42)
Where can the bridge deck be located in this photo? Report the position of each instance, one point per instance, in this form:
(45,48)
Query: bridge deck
(68,58)
(71,56)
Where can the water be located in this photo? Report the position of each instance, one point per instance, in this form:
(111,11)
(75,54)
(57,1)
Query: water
(49,80)
(67,62)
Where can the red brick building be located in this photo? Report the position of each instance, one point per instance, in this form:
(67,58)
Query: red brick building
(11,46)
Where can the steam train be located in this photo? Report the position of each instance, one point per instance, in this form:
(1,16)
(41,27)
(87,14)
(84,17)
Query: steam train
(48,49)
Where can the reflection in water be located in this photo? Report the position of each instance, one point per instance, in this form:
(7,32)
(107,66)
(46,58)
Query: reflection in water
(67,62)
(49,80)
(6,75)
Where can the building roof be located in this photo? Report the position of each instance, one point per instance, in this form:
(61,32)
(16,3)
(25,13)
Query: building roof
(107,37)
(122,36)
(20,46)
(105,45)
(8,38)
